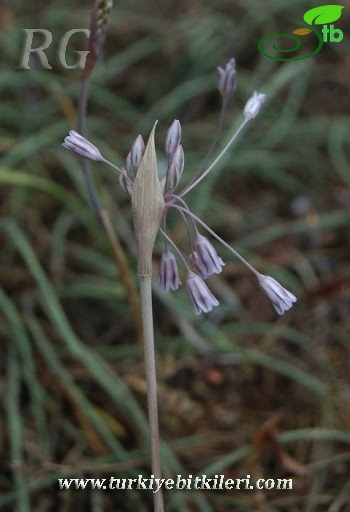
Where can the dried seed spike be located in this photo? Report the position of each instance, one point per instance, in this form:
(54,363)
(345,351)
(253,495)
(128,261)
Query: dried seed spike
(98,31)
(147,207)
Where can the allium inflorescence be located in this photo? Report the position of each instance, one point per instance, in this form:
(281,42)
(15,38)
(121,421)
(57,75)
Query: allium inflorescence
(203,259)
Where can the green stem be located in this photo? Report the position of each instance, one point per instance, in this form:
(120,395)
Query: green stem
(150,365)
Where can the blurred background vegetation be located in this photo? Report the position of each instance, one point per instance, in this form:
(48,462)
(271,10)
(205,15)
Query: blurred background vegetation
(241,391)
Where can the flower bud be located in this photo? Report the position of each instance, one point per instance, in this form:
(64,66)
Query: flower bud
(125,183)
(253,105)
(281,299)
(175,169)
(226,78)
(172,139)
(202,298)
(168,272)
(205,259)
(134,157)
(82,147)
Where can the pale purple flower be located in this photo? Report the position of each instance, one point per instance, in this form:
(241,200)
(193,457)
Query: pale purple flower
(204,258)
(202,298)
(226,78)
(168,272)
(253,105)
(172,138)
(134,157)
(175,168)
(281,299)
(82,147)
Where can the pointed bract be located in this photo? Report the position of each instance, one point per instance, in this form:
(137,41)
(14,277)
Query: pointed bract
(147,207)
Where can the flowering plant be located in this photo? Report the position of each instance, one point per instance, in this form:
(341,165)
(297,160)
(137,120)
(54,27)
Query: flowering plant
(151,200)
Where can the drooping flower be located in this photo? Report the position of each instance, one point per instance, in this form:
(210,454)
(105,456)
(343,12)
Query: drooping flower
(204,258)
(168,272)
(281,299)
(202,299)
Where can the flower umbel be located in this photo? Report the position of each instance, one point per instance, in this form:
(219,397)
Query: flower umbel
(152,201)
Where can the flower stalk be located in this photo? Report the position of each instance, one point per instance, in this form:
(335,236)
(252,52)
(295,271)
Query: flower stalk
(148,208)
(151,379)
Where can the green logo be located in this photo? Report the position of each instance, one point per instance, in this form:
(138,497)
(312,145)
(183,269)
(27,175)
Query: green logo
(324,15)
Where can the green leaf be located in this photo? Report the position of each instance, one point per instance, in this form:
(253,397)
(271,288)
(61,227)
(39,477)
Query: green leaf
(323,14)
